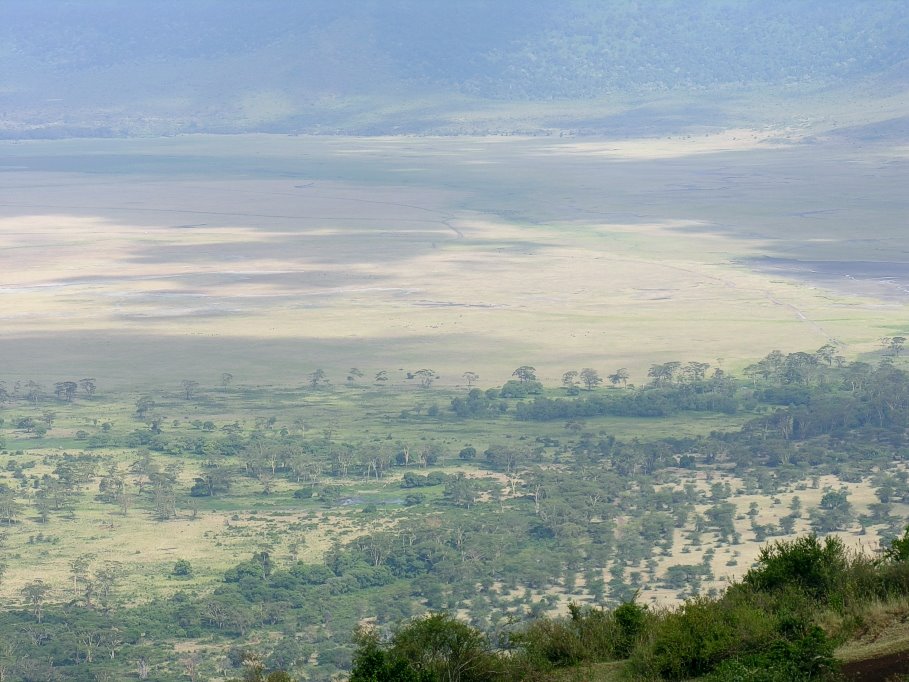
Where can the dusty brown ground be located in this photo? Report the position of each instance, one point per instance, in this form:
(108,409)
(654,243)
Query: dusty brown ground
(879,669)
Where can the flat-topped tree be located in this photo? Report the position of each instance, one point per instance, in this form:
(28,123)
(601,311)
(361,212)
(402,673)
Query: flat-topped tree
(317,378)
(426,377)
(35,594)
(694,372)
(88,386)
(143,406)
(591,378)
(894,345)
(189,388)
(10,509)
(78,569)
(33,391)
(826,353)
(620,376)
(66,390)
(525,373)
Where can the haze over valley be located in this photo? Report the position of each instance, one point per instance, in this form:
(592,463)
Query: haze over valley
(531,323)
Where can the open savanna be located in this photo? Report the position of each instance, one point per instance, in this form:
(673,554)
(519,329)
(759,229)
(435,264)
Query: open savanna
(215,533)
(150,261)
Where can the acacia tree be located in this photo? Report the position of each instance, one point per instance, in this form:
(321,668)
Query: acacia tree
(35,593)
(590,377)
(33,391)
(317,378)
(620,376)
(154,422)
(826,353)
(143,406)
(426,377)
(695,371)
(894,344)
(664,373)
(471,378)
(834,511)
(88,386)
(78,569)
(66,390)
(9,507)
(189,388)
(525,373)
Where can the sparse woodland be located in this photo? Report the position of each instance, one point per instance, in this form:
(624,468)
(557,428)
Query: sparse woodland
(226,530)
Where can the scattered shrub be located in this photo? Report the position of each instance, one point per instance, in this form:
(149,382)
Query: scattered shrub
(182,569)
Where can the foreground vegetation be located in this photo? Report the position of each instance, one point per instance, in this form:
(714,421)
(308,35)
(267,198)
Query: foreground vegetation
(185,533)
(764,628)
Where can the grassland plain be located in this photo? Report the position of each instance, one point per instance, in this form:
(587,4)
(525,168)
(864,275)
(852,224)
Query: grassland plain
(270,256)
(215,533)
(331,474)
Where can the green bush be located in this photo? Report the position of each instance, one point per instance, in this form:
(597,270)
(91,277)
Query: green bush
(814,567)
(631,619)
(898,552)
(546,643)
(433,648)
(304,493)
(699,636)
(588,636)
(802,652)
(468,453)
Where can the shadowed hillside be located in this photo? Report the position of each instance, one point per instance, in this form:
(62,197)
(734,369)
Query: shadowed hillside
(113,68)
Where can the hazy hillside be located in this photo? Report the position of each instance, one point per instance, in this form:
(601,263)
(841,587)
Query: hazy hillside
(111,67)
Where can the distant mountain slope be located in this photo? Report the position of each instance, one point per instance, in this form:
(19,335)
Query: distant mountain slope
(128,66)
